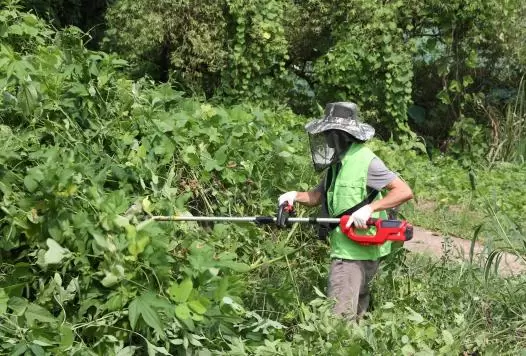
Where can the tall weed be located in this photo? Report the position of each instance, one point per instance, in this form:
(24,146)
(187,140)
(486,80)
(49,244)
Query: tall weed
(509,129)
(504,238)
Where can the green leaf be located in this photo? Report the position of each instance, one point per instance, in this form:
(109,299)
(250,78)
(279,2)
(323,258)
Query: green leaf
(121,221)
(28,98)
(33,177)
(127,351)
(55,232)
(109,280)
(158,303)
(66,336)
(414,316)
(19,349)
(467,80)
(444,97)
(16,304)
(115,302)
(3,301)
(194,341)
(222,289)
(77,89)
(220,155)
(182,311)
(319,292)
(137,246)
(142,306)
(36,312)
(42,343)
(146,205)
(30,183)
(153,350)
(235,266)
(455,86)
(55,253)
(197,317)
(472,59)
(180,292)
(197,307)
(99,239)
(211,164)
(388,305)
(37,349)
(408,350)
(134,312)
(448,337)
(152,318)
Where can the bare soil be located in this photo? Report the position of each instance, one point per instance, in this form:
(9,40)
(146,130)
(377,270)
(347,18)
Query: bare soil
(433,244)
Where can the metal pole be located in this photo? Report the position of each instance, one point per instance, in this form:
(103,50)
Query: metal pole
(259,219)
(205,218)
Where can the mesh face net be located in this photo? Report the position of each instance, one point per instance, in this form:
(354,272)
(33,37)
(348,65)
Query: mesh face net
(328,147)
(322,154)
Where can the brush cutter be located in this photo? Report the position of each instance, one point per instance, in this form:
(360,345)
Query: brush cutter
(386,230)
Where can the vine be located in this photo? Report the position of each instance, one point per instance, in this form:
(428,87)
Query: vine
(258,49)
(370,65)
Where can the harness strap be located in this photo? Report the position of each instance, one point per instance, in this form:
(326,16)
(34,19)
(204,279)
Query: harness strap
(325,228)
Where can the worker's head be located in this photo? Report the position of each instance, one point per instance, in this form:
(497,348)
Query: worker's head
(332,135)
(338,139)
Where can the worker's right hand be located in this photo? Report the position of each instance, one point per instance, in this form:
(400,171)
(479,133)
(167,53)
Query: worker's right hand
(289,197)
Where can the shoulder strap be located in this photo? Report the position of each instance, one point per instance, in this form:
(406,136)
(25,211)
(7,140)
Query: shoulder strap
(324,229)
(368,200)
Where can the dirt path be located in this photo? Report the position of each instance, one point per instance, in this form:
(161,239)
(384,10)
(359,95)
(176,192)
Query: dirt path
(431,243)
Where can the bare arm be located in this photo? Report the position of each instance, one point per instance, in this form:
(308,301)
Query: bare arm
(398,192)
(310,198)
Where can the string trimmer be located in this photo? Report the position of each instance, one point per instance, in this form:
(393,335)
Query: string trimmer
(386,230)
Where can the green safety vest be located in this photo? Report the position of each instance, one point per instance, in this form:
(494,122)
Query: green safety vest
(348,188)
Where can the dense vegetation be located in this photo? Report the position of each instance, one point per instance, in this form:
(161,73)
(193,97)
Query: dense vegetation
(91,145)
(450,65)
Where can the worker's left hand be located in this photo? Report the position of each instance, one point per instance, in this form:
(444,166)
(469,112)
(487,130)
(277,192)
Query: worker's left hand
(360,217)
(288,197)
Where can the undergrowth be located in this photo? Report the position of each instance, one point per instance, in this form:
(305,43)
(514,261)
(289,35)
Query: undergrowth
(86,154)
(453,200)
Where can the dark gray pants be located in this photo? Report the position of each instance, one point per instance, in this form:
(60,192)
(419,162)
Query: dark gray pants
(349,285)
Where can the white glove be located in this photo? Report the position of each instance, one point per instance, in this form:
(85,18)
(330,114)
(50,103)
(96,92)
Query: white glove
(360,217)
(288,196)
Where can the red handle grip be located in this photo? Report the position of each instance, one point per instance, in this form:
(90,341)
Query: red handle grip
(386,230)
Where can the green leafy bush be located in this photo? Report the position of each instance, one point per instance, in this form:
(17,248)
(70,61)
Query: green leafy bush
(369,64)
(81,144)
(87,155)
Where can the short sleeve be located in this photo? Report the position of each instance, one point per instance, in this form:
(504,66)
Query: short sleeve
(378,176)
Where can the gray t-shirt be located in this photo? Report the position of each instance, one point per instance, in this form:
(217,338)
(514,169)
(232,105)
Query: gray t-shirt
(378,176)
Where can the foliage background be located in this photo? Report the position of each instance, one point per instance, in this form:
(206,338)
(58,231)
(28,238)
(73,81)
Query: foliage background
(176,107)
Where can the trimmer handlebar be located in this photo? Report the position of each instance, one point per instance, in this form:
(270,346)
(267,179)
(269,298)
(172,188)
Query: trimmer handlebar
(386,230)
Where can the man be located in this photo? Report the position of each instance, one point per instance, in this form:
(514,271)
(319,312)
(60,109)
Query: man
(351,186)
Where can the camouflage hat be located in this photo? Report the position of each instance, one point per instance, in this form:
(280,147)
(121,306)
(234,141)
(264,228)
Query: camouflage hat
(341,116)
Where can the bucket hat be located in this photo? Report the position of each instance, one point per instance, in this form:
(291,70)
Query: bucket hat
(341,116)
